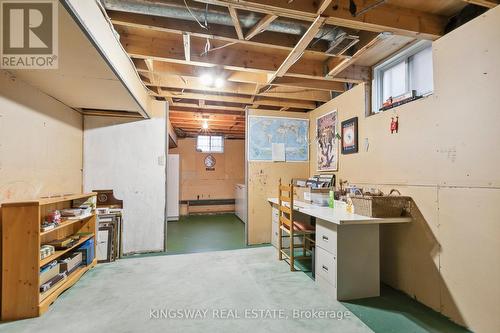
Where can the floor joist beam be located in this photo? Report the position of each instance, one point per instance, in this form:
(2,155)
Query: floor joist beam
(383,18)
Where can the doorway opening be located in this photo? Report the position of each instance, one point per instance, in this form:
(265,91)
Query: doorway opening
(206,191)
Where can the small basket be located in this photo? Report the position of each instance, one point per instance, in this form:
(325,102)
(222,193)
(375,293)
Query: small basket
(381,206)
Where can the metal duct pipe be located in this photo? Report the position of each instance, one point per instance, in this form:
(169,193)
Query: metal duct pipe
(213,17)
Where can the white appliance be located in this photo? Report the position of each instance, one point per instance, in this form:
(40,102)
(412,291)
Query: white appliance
(173,175)
(241,202)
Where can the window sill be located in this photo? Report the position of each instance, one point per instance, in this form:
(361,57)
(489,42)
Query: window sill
(397,105)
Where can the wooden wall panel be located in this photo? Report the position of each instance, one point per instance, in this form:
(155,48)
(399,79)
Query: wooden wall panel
(469,231)
(467,82)
(446,157)
(263,178)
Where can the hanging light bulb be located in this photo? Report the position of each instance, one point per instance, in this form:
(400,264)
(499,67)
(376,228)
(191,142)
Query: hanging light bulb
(219,82)
(205,125)
(206,79)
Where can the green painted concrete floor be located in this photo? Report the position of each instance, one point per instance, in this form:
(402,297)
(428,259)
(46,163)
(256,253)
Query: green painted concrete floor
(203,233)
(393,311)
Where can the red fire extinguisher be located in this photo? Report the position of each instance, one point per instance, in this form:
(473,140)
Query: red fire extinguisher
(394,124)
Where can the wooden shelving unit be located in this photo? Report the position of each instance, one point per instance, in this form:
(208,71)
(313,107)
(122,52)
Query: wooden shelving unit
(21,242)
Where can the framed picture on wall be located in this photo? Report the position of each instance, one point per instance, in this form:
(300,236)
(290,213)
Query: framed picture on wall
(327,157)
(350,136)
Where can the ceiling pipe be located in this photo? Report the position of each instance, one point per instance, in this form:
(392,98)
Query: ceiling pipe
(247,20)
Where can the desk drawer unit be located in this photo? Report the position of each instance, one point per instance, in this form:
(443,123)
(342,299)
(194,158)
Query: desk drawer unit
(275,214)
(326,256)
(326,236)
(274,234)
(326,266)
(274,226)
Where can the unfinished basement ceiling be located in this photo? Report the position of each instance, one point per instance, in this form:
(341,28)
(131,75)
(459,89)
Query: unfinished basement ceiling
(288,55)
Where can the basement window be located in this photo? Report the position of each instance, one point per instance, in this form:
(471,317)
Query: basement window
(210,143)
(403,78)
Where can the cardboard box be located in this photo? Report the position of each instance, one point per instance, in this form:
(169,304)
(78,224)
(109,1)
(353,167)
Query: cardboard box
(70,262)
(310,195)
(49,274)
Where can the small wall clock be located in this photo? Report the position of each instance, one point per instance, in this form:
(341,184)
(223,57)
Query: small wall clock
(210,162)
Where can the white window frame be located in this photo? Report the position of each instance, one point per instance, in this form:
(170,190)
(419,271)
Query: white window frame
(378,70)
(210,150)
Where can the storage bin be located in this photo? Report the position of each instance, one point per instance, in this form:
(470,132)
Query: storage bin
(87,250)
(73,260)
(48,273)
(381,206)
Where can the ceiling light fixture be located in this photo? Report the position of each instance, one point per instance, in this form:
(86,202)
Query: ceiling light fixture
(205,125)
(219,82)
(206,79)
(210,80)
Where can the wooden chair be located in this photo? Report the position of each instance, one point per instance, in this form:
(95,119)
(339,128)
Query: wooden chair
(303,229)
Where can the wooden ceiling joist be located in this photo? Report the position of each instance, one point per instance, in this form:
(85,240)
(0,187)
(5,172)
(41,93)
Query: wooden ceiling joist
(324,85)
(268,39)
(286,92)
(184,107)
(270,65)
(383,18)
(323,6)
(236,22)
(193,123)
(367,41)
(298,50)
(196,131)
(179,115)
(484,3)
(170,69)
(232,58)
(279,91)
(260,26)
(238,99)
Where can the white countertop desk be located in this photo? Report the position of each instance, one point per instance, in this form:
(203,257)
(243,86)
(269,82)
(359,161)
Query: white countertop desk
(338,215)
(347,259)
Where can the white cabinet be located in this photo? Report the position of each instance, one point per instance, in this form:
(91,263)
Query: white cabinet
(173,187)
(274,227)
(240,195)
(347,260)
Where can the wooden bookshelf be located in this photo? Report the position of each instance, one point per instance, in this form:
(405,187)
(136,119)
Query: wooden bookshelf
(59,253)
(21,242)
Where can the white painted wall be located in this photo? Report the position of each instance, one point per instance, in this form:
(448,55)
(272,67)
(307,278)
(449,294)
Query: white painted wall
(129,157)
(40,143)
